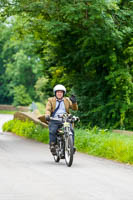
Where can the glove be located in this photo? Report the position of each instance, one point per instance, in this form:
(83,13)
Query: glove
(47,117)
(73,99)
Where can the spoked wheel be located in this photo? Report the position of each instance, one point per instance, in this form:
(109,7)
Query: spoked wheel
(69,151)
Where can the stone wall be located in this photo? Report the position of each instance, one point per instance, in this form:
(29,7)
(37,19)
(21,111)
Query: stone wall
(13,108)
(30,116)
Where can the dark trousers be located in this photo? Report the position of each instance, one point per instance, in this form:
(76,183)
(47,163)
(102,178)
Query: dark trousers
(53,127)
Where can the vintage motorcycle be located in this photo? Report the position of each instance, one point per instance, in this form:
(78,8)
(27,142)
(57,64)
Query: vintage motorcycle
(64,145)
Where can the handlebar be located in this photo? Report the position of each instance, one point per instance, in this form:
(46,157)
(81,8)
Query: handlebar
(66,117)
(55,119)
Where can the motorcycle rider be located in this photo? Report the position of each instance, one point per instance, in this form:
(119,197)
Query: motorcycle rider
(55,106)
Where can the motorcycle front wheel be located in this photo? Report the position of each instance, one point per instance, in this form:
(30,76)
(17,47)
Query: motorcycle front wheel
(69,150)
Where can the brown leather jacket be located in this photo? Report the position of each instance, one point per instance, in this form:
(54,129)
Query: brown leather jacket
(51,105)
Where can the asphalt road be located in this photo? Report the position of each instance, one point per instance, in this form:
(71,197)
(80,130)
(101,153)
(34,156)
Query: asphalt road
(3,119)
(28,172)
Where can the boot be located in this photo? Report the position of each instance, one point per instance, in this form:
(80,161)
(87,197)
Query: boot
(52,148)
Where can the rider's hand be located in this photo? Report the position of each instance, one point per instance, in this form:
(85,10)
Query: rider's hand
(73,99)
(47,117)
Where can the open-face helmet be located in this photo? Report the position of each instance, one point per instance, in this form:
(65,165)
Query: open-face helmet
(59,87)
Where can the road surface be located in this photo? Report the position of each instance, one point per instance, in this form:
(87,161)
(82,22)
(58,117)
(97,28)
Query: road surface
(3,119)
(28,172)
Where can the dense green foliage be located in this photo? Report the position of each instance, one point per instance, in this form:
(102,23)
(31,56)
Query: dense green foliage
(4,92)
(86,45)
(102,143)
(97,142)
(20,96)
(27,129)
(20,68)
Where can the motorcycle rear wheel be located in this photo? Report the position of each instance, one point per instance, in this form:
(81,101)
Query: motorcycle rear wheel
(69,150)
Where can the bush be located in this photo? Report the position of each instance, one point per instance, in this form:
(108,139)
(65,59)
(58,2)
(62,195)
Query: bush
(27,129)
(21,97)
(102,143)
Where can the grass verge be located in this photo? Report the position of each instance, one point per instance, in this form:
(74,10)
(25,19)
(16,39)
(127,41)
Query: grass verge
(97,142)
(27,129)
(103,143)
(7,112)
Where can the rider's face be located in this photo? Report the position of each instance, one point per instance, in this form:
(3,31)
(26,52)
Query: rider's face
(59,94)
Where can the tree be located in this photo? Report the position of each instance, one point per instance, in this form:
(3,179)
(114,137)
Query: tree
(19,63)
(84,46)
(21,97)
(4,89)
